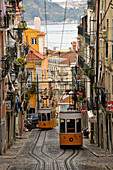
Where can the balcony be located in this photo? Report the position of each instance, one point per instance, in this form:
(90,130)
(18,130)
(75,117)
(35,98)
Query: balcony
(105,97)
(4,23)
(87,39)
(5,66)
(80,30)
(81,61)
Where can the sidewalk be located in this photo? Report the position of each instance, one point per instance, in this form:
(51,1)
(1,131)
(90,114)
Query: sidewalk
(15,149)
(94,149)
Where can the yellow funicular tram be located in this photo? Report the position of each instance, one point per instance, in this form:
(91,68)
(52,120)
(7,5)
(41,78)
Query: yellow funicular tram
(70,130)
(46,116)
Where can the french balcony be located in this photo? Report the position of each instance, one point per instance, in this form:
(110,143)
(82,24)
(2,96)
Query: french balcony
(87,39)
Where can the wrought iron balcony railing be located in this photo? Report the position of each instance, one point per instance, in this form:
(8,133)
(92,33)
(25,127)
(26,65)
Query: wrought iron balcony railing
(81,61)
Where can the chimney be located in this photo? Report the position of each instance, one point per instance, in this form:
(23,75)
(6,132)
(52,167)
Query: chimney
(37,23)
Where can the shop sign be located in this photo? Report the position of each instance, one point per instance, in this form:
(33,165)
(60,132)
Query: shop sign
(110,105)
(93,119)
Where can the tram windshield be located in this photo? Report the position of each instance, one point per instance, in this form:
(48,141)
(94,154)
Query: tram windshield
(62,125)
(48,116)
(39,116)
(70,125)
(78,124)
(43,116)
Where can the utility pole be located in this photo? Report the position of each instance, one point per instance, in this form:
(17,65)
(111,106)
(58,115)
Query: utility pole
(97,59)
(37,94)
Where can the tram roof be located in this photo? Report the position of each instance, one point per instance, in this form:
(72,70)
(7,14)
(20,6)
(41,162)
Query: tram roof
(69,111)
(48,108)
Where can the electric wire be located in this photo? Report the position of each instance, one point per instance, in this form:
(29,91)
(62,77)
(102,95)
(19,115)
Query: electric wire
(63,25)
(110,3)
(45,7)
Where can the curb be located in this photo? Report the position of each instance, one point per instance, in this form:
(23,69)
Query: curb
(97,155)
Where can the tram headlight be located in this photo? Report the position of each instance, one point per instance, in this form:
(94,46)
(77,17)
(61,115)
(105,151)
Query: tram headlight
(71,139)
(63,137)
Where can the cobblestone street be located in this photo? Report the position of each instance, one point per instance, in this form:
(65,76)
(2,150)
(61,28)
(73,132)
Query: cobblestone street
(40,150)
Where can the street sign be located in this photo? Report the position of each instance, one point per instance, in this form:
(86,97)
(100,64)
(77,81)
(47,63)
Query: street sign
(83,110)
(110,105)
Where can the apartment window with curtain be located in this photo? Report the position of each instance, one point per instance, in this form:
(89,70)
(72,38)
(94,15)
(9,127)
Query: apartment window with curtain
(107,38)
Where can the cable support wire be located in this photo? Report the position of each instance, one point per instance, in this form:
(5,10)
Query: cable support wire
(110,3)
(46,23)
(63,24)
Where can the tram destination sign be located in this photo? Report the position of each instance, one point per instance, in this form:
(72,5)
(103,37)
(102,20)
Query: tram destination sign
(83,110)
(110,105)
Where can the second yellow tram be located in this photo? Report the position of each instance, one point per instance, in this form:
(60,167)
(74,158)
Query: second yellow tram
(70,130)
(46,118)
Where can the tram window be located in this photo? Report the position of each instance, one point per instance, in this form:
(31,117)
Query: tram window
(48,116)
(43,116)
(39,116)
(78,125)
(62,125)
(54,114)
(70,125)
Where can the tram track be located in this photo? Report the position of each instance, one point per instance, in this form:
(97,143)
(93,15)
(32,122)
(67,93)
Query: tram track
(45,161)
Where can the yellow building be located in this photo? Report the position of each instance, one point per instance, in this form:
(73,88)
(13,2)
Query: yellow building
(37,65)
(36,39)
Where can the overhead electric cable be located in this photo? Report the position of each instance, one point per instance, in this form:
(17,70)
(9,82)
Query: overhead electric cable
(45,7)
(110,3)
(63,24)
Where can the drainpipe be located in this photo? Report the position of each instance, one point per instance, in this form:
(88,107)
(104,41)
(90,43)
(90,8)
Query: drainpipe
(97,59)
(37,94)
(0,106)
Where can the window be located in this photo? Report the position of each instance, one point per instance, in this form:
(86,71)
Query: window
(70,125)
(43,116)
(62,125)
(33,41)
(112,39)
(78,125)
(107,38)
(39,116)
(48,116)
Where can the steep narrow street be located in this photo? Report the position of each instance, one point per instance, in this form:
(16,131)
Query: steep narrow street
(41,151)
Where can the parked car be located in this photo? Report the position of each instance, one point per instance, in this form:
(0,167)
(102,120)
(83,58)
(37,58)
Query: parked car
(34,120)
(86,132)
